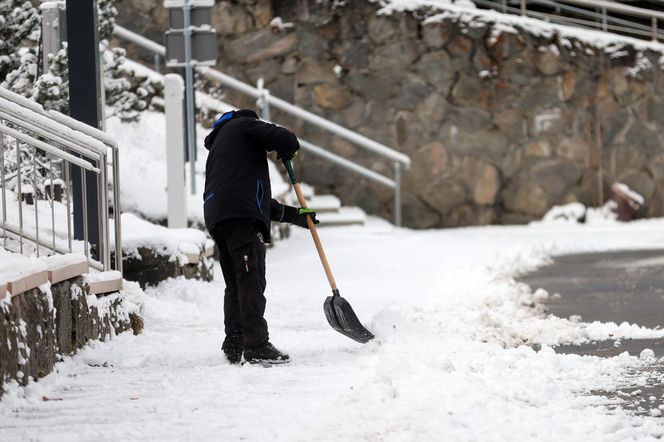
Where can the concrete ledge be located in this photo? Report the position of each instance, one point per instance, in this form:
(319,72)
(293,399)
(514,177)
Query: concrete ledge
(209,248)
(58,272)
(25,282)
(104,282)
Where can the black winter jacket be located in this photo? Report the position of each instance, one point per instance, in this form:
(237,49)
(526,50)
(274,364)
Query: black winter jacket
(237,181)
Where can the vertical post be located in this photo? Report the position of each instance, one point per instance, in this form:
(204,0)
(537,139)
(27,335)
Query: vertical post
(175,167)
(52,29)
(504,5)
(263,101)
(68,185)
(20,197)
(655,33)
(157,63)
(4,190)
(50,168)
(117,210)
(397,194)
(34,196)
(85,106)
(189,88)
(523,8)
(605,26)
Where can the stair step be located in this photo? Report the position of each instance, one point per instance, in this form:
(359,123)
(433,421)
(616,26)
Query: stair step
(325,204)
(346,216)
(104,282)
(62,267)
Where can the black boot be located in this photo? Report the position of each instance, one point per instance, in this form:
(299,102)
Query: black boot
(232,348)
(266,353)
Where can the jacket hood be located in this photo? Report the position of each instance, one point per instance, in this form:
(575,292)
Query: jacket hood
(225,118)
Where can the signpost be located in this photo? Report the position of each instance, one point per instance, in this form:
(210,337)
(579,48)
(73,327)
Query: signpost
(191,41)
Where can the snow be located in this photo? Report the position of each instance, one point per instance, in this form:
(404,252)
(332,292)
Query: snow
(631,194)
(137,233)
(111,275)
(451,360)
(464,11)
(13,265)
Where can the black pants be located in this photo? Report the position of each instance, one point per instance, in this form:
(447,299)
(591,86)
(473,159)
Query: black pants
(242,258)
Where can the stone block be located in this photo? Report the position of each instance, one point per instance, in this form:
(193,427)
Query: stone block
(443,195)
(436,34)
(311,71)
(434,67)
(393,57)
(331,96)
(261,45)
(472,91)
(527,198)
(504,45)
(487,186)
(547,60)
(576,149)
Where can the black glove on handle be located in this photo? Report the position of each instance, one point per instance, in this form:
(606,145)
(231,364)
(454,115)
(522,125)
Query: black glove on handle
(299,216)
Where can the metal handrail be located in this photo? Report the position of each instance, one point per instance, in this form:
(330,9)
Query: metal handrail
(265,99)
(57,135)
(602,18)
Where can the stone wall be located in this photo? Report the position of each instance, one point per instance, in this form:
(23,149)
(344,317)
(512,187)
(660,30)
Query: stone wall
(501,123)
(36,327)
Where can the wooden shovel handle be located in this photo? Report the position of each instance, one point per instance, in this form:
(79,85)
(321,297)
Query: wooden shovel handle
(314,235)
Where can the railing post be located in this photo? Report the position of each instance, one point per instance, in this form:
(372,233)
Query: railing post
(397,194)
(655,34)
(175,176)
(157,63)
(523,8)
(605,26)
(504,4)
(4,190)
(263,102)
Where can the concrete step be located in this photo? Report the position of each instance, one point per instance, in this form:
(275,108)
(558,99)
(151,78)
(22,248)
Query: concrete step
(27,280)
(325,203)
(346,216)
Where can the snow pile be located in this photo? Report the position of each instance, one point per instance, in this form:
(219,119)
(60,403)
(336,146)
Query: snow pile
(137,233)
(13,265)
(143,168)
(578,213)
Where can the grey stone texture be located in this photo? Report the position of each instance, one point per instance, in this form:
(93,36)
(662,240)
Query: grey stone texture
(500,125)
(149,267)
(37,328)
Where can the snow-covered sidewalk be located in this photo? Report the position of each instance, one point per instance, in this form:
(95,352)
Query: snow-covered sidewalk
(449,361)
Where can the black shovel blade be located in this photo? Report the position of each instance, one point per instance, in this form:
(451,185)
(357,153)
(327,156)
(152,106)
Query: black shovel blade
(343,319)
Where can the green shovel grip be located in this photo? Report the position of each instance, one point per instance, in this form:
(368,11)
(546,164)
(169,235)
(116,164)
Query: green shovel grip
(289,168)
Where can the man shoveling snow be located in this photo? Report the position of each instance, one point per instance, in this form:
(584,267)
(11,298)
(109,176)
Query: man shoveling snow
(238,209)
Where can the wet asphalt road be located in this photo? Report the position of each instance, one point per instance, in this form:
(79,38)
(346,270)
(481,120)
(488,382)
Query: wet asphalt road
(613,287)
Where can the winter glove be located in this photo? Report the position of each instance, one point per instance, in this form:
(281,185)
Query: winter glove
(293,215)
(301,217)
(282,157)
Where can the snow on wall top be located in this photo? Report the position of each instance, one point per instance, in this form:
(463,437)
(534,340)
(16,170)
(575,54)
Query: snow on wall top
(465,11)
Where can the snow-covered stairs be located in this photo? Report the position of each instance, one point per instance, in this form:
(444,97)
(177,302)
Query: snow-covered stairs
(329,210)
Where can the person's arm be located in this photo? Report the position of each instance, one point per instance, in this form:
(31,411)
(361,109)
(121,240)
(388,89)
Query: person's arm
(287,214)
(272,137)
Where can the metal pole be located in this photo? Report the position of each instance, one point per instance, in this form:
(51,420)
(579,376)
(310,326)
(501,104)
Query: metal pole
(157,63)
(175,167)
(68,196)
(20,197)
(655,34)
(504,3)
(605,27)
(85,213)
(189,93)
(4,194)
(523,7)
(397,194)
(50,167)
(117,210)
(34,196)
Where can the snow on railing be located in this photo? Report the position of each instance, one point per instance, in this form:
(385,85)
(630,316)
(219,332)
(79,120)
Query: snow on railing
(53,144)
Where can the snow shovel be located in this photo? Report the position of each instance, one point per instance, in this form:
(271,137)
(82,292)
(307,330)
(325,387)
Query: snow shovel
(337,310)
